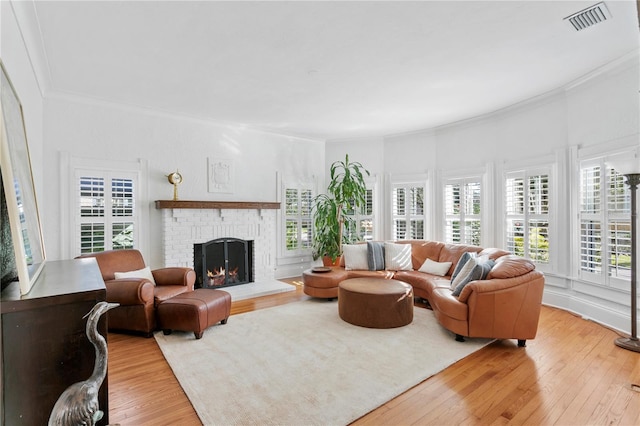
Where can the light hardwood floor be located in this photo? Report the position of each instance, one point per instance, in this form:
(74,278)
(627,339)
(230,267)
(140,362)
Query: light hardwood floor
(571,374)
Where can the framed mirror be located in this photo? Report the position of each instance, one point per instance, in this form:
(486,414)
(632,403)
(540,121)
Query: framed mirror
(19,190)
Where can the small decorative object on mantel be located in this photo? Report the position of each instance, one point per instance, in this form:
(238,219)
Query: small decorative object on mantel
(175,179)
(78,404)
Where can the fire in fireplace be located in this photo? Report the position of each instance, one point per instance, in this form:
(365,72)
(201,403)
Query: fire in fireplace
(223,262)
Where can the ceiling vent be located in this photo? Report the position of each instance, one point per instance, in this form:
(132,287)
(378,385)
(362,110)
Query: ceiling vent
(589,17)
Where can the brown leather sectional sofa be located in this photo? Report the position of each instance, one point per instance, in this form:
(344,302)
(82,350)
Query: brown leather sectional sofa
(505,305)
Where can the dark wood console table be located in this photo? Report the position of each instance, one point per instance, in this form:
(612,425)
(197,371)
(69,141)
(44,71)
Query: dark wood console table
(44,348)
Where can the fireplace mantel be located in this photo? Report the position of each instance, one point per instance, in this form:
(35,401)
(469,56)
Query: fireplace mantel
(184,204)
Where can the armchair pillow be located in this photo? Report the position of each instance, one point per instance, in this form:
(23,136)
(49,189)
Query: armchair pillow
(140,273)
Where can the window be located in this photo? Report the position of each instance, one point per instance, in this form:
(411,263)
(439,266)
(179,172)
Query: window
(527,209)
(105,218)
(360,227)
(462,198)
(298,223)
(408,211)
(605,228)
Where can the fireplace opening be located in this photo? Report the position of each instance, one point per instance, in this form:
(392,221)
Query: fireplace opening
(223,262)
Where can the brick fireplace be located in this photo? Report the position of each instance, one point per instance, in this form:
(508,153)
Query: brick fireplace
(185,223)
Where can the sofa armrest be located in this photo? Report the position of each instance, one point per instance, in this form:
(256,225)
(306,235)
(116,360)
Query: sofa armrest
(130,291)
(175,276)
(494,285)
(505,308)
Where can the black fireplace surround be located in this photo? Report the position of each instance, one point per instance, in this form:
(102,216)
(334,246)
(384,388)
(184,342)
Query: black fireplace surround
(223,262)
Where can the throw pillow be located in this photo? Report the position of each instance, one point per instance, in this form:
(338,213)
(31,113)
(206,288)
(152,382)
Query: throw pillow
(479,271)
(397,257)
(140,273)
(462,273)
(461,262)
(436,268)
(355,256)
(375,255)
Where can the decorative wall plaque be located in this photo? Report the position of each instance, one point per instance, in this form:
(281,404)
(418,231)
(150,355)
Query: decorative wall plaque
(221,175)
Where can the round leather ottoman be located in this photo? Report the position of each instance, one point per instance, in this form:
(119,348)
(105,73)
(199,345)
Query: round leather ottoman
(375,302)
(323,285)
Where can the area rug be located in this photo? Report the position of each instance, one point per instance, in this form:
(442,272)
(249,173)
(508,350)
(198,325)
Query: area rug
(257,289)
(301,364)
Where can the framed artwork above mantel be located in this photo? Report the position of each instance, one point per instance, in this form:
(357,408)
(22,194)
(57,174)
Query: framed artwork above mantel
(18,187)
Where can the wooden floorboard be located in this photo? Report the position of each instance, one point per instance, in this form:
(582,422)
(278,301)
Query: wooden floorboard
(571,374)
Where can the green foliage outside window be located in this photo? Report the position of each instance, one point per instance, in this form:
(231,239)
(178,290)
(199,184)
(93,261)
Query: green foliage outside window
(538,243)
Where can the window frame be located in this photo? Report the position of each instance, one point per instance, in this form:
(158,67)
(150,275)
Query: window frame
(602,215)
(286,257)
(69,201)
(372,216)
(408,183)
(462,216)
(527,216)
(299,218)
(111,215)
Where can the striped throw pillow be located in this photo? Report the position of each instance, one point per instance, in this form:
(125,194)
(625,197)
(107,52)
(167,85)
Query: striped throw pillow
(375,255)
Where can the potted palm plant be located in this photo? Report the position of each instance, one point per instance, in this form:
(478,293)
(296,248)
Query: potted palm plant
(346,192)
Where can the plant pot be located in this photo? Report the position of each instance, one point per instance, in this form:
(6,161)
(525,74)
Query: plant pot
(327,261)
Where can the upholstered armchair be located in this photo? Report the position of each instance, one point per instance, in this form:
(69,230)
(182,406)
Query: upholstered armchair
(137,289)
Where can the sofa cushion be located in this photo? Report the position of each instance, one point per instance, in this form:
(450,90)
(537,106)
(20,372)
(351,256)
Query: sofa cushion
(480,267)
(355,256)
(493,253)
(375,255)
(397,257)
(442,300)
(166,292)
(436,268)
(422,250)
(140,273)
(423,283)
(510,266)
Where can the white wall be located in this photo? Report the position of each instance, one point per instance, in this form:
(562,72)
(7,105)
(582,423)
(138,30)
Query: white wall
(110,132)
(362,150)
(18,64)
(59,127)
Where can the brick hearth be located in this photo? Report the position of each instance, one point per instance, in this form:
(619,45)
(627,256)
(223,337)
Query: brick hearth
(182,227)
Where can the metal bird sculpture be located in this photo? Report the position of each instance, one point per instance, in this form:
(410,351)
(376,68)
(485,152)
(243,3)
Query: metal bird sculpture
(78,404)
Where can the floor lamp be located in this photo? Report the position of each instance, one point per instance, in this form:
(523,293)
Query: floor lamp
(629,166)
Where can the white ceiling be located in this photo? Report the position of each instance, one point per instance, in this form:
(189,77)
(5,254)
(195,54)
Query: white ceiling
(324,69)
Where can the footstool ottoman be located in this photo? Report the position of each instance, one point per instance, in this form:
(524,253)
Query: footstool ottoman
(194,311)
(375,302)
(323,282)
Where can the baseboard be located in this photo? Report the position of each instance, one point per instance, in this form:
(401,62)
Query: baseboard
(611,318)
